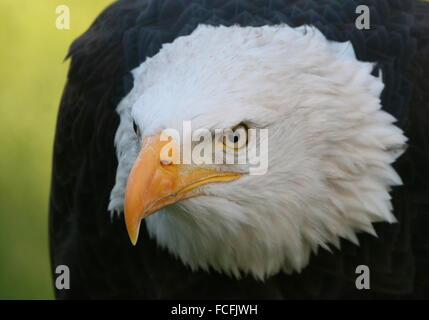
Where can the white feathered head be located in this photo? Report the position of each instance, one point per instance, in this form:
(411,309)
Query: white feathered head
(316,114)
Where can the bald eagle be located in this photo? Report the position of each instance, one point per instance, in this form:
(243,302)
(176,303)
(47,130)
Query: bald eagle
(339,113)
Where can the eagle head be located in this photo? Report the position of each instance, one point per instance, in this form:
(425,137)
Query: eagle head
(298,116)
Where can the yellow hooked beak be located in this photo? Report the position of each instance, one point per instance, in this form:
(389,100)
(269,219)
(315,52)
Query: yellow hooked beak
(155,182)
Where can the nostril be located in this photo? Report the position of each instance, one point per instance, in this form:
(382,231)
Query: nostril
(166,162)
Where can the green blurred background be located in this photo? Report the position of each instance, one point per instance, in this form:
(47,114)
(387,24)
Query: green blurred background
(32,77)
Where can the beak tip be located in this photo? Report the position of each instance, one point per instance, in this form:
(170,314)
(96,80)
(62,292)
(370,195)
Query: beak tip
(133,230)
(134,242)
(133,238)
(134,235)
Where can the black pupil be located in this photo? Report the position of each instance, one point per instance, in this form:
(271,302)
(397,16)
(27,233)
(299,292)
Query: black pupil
(234,137)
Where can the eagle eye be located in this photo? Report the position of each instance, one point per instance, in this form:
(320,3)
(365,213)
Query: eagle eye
(235,138)
(136,129)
